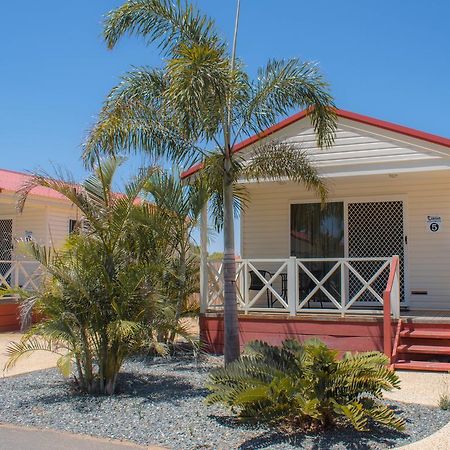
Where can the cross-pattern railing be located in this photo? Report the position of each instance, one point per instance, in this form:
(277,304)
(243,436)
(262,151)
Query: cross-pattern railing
(16,274)
(296,285)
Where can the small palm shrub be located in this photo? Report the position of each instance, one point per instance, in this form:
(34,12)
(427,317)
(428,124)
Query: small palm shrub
(305,386)
(102,298)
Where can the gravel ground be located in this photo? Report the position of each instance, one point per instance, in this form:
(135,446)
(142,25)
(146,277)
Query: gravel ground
(161,402)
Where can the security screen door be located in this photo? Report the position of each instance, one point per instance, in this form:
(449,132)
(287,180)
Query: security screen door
(375,229)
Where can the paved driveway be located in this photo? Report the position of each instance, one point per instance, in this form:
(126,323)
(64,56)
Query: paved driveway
(19,438)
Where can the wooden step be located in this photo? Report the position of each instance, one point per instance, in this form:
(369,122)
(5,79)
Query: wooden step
(424,349)
(422,365)
(425,334)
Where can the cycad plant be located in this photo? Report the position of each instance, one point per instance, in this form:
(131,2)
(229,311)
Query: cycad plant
(199,104)
(305,386)
(100,300)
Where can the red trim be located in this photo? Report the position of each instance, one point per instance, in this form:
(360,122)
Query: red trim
(387,321)
(389,126)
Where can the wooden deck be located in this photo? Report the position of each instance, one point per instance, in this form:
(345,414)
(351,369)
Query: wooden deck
(420,339)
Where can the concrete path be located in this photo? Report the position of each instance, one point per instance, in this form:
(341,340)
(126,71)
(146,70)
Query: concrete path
(24,438)
(437,441)
(33,361)
(424,388)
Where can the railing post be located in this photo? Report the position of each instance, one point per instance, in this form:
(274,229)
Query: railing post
(387,325)
(292,285)
(246,286)
(204,259)
(343,289)
(16,274)
(396,306)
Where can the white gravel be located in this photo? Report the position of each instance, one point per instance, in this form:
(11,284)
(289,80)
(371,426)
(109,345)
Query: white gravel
(161,402)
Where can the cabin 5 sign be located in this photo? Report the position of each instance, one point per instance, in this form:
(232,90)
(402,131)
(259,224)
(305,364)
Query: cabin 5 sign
(434,224)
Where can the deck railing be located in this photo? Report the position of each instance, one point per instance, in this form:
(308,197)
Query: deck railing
(21,274)
(294,285)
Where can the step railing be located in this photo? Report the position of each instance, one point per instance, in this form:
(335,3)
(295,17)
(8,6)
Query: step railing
(391,304)
(296,285)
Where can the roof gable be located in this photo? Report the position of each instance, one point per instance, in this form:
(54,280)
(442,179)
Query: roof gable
(362,145)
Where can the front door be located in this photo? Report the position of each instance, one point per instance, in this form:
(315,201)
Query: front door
(6,235)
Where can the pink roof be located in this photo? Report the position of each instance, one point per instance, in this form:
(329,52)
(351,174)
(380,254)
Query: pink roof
(13,181)
(434,139)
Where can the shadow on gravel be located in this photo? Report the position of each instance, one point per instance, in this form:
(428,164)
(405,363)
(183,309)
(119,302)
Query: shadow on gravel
(157,388)
(349,440)
(149,388)
(343,438)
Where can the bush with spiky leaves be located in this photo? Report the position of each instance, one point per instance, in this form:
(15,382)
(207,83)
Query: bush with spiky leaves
(305,386)
(103,295)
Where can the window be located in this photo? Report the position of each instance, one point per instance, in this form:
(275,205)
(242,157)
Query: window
(317,231)
(73,226)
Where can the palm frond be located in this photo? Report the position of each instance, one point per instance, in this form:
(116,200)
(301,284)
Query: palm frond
(136,116)
(17,350)
(284,85)
(278,161)
(163,21)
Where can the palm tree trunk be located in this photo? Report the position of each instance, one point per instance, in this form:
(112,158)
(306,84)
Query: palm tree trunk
(230,318)
(231,325)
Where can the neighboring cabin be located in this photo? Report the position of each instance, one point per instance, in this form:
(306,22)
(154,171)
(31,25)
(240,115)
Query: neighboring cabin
(47,218)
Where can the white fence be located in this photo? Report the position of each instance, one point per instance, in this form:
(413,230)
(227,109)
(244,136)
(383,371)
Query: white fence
(26,275)
(296,285)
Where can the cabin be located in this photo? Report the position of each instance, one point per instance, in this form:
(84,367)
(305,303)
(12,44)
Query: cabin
(370,270)
(48,218)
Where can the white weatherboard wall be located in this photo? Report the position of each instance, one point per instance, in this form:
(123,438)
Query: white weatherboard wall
(265,224)
(58,224)
(47,220)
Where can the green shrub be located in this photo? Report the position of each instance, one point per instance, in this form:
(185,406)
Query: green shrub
(101,300)
(305,386)
(444,402)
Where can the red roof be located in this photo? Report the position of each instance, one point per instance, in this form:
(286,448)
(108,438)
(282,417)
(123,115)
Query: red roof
(13,181)
(411,132)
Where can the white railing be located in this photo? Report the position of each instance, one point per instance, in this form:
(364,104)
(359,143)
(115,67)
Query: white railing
(296,285)
(16,274)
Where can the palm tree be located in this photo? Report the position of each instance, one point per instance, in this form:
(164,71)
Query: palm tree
(100,301)
(199,104)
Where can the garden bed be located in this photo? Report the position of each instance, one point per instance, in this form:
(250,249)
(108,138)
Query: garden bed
(161,402)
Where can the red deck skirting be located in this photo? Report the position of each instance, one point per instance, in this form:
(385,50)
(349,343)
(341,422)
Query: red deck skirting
(9,317)
(340,334)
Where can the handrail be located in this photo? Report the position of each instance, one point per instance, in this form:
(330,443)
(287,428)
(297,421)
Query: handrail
(387,320)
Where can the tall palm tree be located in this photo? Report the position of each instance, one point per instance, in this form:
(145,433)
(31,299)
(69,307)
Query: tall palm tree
(197,105)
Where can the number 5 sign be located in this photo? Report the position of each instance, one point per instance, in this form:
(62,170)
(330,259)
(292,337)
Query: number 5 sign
(434,224)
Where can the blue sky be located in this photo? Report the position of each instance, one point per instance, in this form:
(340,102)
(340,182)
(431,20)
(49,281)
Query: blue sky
(387,59)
